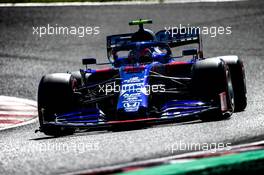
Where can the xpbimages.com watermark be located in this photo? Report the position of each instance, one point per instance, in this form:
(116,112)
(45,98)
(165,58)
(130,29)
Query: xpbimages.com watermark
(131,88)
(54,147)
(211,147)
(78,31)
(212,31)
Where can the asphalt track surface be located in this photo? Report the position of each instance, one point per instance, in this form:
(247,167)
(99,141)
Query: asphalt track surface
(25,57)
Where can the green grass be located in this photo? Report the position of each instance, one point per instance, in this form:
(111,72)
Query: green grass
(251,162)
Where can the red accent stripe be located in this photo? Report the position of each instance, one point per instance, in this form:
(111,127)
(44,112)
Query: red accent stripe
(17,115)
(104,70)
(10,121)
(127,169)
(178,62)
(134,69)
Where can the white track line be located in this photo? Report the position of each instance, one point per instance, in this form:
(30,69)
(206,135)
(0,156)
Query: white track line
(11,106)
(169,159)
(16,112)
(21,124)
(53,4)
(18,100)
(17,119)
(12,103)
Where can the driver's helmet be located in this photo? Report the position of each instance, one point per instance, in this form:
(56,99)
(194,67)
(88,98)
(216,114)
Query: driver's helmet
(143,35)
(145,55)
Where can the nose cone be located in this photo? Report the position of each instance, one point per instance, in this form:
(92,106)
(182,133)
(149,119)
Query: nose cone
(133,97)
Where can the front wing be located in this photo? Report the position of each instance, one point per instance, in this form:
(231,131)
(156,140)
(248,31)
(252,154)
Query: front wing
(174,111)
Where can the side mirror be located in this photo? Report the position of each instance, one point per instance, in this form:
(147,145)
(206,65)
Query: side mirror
(86,61)
(189,52)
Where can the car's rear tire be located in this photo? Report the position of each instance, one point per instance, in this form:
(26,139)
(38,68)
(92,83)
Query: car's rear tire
(211,77)
(238,80)
(55,96)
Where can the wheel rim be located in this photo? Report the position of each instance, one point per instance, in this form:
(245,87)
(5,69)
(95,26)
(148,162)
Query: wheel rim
(230,91)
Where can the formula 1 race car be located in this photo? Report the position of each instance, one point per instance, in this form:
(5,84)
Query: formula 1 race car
(146,84)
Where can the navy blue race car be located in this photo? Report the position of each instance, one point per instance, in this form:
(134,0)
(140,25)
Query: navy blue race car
(147,83)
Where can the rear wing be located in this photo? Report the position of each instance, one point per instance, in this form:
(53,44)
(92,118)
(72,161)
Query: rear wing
(117,41)
(178,37)
(173,37)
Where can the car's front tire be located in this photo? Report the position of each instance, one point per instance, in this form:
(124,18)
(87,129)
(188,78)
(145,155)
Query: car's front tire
(238,80)
(55,96)
(212,82)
